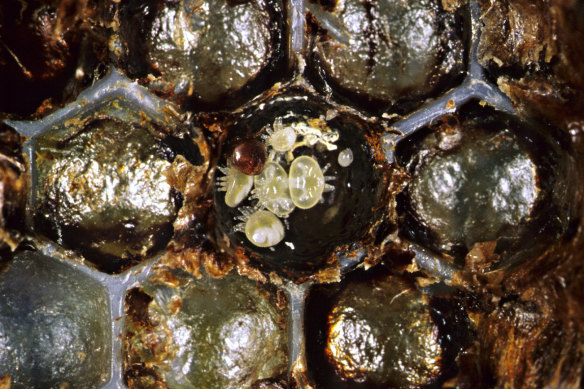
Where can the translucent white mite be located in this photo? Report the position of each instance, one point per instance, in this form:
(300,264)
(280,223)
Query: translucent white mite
(264,229)
(261,227)
(272,191)
(345,157)
(276,192)
(307,182)
(280,138)
(235,184)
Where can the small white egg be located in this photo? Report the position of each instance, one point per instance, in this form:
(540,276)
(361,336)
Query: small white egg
(345,157)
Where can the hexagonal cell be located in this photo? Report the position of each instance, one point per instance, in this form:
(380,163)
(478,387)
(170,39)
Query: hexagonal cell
(211,53)
(379,331)
(213,333)
(100,174)
(55,325)
(41,48)
(390,53)
(533,51)
(486,184)
(315,184)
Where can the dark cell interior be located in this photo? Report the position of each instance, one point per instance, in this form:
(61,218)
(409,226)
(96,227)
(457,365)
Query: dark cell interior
(343,215)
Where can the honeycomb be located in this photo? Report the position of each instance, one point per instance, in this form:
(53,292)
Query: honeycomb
(291,194)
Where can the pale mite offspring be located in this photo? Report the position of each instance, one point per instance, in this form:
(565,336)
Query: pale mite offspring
(275,192)
(271,190)
(307,182)
(345,157)
(235,184)
(280,138)
(264,229)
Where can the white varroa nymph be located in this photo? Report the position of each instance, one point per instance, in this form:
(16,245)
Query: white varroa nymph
(264,229)
(235,184)
(307,182)
(275,193)
(271,190)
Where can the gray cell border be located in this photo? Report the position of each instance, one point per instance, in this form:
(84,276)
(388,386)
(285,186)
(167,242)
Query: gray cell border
(130,96)
(115,86)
